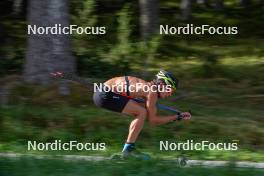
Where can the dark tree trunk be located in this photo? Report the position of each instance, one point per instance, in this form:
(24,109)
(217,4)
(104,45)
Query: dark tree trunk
(186,8)
(245,3)
(149,17)
(17,6)
(219,5)
(47,53)
(203,2)
(149,24)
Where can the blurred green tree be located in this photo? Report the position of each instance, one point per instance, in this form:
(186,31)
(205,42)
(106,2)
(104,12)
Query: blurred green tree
(149,24)
(186,9)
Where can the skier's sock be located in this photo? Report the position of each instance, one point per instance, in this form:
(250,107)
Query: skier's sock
(128,147)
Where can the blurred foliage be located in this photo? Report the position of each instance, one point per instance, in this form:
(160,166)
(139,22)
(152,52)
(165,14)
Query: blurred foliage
(118,58)
(93,58)
(221,75)
(121,50)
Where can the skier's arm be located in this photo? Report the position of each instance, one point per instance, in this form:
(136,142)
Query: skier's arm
(152,111)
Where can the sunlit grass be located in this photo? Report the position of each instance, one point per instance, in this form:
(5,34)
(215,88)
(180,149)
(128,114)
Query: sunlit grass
(218,114)
(243,61)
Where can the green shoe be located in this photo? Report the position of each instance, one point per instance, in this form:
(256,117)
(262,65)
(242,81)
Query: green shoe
(117,156)
(135,154)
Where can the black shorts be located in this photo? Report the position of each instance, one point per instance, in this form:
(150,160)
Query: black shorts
(110,100)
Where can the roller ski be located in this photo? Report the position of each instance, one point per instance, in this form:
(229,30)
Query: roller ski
(130,152)
(182,161)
